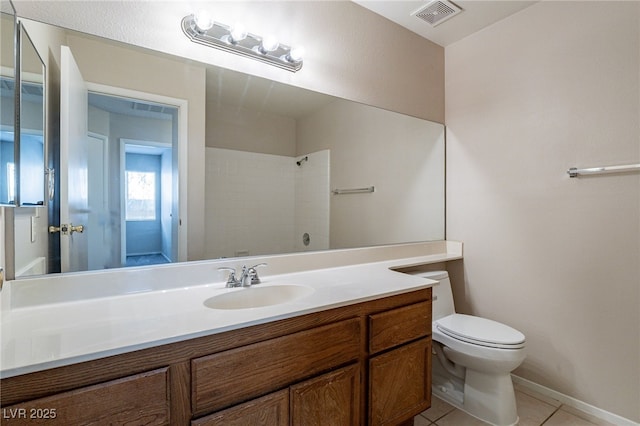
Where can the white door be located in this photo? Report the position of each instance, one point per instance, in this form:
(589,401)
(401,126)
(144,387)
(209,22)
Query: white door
(74,186)
(99,252)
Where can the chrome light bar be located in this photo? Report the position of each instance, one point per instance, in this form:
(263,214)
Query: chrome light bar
(221,36)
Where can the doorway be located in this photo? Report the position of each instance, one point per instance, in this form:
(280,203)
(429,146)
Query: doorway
(134,200)
(147,200)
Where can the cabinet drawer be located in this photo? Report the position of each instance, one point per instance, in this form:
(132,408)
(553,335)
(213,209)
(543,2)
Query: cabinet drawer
(226,378)
(397,326)
(142,399)
(272,410)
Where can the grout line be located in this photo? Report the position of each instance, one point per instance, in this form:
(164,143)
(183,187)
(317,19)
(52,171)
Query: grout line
(551,415)
(445,414)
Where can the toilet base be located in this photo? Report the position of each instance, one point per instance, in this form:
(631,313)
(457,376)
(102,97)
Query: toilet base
(487,397)
(447,388)
(490,397)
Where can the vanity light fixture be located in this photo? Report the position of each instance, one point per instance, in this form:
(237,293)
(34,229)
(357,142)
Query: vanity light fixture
(201,28)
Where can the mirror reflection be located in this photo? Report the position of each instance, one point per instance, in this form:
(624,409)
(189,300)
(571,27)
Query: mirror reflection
(131,157)
(271,173)
(273,157)
(7,111)
(30,176)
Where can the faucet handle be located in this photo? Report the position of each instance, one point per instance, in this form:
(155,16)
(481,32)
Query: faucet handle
(253,273)
(231,280)
(245,277)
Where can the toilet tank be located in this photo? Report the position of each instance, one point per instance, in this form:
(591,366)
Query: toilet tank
(442,305)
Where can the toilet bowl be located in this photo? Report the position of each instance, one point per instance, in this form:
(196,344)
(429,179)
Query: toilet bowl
(473,359)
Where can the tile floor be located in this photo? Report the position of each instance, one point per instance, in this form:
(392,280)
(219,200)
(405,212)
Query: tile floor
(533,409)
(146,259)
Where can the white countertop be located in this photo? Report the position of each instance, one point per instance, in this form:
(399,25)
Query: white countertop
(43,336)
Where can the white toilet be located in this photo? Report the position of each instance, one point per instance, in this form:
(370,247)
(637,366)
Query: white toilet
(473,359)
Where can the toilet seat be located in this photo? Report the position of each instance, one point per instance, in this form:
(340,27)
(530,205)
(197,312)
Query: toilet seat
(480,331)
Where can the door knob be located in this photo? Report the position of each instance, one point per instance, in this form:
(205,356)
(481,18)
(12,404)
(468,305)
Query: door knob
(63,229)
(76,228)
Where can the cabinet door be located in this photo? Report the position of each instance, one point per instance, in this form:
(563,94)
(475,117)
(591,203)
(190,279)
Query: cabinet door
(270,410)
(400,383)
(330,399)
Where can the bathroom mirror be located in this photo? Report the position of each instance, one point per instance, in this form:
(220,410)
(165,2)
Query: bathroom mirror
(286,169)
(30,159)
(7,105)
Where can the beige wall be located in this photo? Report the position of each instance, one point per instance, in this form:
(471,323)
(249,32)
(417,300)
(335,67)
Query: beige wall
(252,131)
(7,58)
(552,87)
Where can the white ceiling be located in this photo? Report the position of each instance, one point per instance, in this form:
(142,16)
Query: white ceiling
(475,15)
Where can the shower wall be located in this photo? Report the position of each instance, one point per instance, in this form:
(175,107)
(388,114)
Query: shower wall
(312,202)
(401,156)
(263,203)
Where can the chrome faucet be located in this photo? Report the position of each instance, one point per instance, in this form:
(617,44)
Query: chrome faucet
(248,277)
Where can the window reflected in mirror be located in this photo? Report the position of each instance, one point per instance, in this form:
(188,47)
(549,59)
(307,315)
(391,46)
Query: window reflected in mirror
(141,195)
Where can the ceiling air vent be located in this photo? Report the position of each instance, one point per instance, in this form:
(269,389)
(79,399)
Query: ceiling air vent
(145,107)
(436,12)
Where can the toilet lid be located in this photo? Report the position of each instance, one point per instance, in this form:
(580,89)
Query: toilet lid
(480,331)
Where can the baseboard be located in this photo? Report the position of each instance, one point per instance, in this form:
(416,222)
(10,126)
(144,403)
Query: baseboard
(575,403)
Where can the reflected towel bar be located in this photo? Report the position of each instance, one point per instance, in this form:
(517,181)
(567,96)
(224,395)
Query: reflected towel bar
(354,190)
(574,172)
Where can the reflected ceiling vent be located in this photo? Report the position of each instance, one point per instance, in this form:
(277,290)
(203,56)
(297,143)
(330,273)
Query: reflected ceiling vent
(436,12)
(144,107)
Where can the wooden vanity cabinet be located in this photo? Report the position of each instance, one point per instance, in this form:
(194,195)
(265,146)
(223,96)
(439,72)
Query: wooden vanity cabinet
(363,364)
(400,363)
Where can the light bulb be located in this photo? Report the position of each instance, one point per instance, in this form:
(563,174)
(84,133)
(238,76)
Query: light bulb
(203,20)
(269,44)
(296,54)
(238,33)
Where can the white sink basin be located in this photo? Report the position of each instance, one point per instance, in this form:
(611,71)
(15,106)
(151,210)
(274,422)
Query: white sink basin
(257,296)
